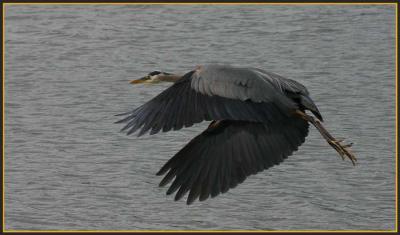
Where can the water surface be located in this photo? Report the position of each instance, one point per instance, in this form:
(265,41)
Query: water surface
(69,168)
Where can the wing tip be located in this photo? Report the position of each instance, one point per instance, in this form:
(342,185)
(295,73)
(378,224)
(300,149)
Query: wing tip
(190,202)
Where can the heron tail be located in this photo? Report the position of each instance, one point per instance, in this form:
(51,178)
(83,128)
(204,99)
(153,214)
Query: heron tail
(309,104)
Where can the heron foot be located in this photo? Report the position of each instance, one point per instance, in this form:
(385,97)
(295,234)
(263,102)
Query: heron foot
(343,149)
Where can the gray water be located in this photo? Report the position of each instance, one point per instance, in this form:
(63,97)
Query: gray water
(67,67)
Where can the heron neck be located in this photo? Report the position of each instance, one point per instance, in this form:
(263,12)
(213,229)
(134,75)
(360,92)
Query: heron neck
(169,78)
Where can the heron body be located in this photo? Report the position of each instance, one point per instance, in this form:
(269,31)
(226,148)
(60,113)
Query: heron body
(258,120)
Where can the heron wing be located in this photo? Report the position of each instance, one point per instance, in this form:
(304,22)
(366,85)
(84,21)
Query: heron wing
(252,84)
(246,84)
(227,152)
(181,105)
(284,84)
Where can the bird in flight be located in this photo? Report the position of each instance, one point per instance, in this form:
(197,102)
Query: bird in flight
(258,119)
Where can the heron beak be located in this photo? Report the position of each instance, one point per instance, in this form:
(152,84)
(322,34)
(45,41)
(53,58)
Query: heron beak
(140,80)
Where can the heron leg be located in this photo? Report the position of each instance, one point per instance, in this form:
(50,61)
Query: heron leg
(342,149)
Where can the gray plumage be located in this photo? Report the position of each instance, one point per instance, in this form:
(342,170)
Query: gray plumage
(253,128)
(245,84)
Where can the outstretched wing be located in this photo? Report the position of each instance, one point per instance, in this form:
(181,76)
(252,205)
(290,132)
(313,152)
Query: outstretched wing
(213,93)
(227,152)
(245,84)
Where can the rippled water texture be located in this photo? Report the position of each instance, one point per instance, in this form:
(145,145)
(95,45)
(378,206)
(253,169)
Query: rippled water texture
(67,70)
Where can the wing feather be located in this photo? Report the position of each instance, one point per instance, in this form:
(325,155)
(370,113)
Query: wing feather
(227,152)
(180,106)
(245,84)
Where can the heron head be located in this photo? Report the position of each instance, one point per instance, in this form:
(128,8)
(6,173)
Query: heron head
(153,77)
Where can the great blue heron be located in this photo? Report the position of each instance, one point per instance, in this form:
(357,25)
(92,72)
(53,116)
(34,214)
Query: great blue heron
(258,120)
